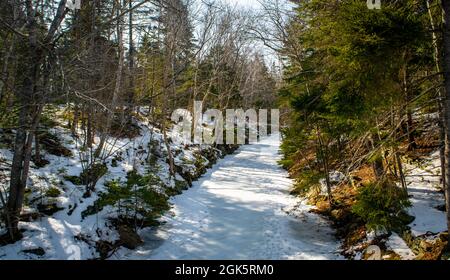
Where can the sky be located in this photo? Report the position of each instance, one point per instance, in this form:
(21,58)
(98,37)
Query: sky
(269,55)
(245,3)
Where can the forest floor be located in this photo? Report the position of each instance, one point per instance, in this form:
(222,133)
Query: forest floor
(425,236)
(241,209)
(427,207)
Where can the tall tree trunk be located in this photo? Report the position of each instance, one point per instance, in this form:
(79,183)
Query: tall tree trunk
(440,95)
(446,109)
(22,153)
(131,63)
(10,54)
(409,120)
(16,189)
(30,74)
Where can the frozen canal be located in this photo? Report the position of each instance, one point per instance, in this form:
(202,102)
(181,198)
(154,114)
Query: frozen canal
(240,209)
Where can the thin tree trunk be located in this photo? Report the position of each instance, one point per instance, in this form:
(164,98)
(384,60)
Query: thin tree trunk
(19,167)
(76,117)
(37,150)
(409,120)
(89,129)
(169,150)
(110,115)
(441,97)
(4,75)
(131,64)
(16,189)
(324,154)
(400,171)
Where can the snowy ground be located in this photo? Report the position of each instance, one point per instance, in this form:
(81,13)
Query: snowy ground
(241,209)
(423,184)
(399,246)
(59,235)
(423,187)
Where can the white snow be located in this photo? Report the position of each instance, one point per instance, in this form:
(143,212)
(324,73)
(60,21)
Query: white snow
(57,234)
(423,183)
(241,209)
(398,245)
(336,177)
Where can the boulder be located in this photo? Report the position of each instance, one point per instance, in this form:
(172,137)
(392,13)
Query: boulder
(35,251)
(128,238)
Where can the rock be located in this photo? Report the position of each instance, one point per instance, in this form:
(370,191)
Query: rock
(103,248)
(52,145)
(336,177)
(39,162)
(405,218)
(181,185)
(35,251)
(49,209)
(443,236)
(29,216)
(128,238)
(71,209)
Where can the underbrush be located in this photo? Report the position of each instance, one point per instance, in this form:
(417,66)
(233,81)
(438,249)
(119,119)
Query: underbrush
(366,207)
(381,206)
(136,200)
(358,210)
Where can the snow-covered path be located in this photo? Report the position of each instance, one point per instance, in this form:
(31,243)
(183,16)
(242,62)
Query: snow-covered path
(241,209)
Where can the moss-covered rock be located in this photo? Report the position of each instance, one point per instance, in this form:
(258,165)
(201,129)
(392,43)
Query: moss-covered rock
(48,209)
(76,180)
(128,237)
(39,251)
(53,192)
(53,145)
